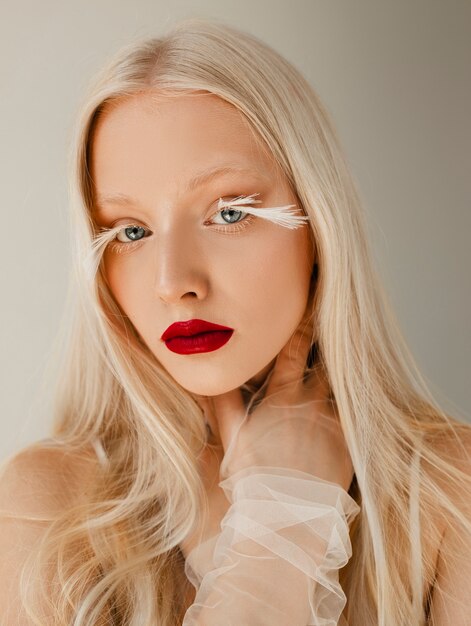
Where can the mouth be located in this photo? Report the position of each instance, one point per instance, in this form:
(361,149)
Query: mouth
(201,342)
(196,335)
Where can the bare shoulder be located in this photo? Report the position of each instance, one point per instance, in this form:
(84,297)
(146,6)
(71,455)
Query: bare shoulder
(456,451)
(42,480)
(450,597)
(36,485)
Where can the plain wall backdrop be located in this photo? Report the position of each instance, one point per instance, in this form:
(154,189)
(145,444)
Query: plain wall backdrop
(395,78)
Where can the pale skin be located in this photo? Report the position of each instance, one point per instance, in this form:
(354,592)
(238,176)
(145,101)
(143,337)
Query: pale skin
(148,149)
(190,269)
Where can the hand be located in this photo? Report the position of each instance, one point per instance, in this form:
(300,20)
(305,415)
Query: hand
(295,426)
(209,463)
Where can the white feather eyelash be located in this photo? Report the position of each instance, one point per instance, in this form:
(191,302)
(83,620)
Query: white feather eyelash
(283,216)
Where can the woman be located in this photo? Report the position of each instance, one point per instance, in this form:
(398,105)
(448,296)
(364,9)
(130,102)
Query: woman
(288,467)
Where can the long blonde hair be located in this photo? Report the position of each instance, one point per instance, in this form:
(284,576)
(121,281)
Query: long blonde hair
(116,554)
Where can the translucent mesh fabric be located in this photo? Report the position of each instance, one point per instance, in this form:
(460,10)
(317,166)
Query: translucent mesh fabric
(276,560)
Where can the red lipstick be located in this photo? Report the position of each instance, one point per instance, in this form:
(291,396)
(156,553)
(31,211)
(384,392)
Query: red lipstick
(195,336)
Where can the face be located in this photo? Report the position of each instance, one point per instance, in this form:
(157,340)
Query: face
(187,259)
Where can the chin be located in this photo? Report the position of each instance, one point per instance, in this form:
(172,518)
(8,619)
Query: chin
(206,382)
(257,381)
(207,388)
(217,387)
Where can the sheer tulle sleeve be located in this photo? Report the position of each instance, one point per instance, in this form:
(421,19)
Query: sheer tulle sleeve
(276,560)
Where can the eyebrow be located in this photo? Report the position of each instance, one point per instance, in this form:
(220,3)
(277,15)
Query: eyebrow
(205,176)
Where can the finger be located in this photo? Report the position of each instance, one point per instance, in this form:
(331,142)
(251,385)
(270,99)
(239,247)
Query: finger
(317,381)
(206,406)
(291,361)
(229,411)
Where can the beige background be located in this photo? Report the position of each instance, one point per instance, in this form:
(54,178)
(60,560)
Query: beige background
(395,76)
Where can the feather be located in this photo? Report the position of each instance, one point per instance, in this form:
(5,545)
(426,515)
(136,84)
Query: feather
(282,215)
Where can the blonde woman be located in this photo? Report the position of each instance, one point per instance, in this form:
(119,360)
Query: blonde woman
(241,435)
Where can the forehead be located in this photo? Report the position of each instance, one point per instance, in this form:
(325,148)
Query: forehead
(165,139)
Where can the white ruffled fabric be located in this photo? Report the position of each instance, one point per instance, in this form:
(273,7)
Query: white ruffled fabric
(276,560)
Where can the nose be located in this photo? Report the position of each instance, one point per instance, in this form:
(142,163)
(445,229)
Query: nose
(178,268)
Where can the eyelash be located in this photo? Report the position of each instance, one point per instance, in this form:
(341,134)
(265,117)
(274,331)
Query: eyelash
(230,229)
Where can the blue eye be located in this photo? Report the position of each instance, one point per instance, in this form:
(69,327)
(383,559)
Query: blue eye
(233,221)
(134,233)
(233,215)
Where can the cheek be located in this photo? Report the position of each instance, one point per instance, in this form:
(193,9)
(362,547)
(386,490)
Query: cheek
(127,283)
(283,268)
(276,289)
(259,286)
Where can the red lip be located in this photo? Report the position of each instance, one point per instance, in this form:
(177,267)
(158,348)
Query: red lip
(203,342)
(192,327)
